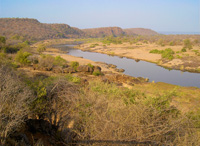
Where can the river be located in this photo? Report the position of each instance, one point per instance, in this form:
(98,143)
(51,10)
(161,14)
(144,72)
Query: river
(141,69)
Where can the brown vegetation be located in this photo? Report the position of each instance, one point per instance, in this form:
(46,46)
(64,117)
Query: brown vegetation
(139,31)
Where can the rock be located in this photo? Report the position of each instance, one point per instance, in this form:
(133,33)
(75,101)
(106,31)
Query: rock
(97,69)
(84,68)
(69,70)
(112,66)
(137,60)
(121,70)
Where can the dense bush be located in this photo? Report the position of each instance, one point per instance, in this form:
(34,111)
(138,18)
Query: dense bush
(22,57)
(167,53)
(15,98)
(59,61)
(74,64)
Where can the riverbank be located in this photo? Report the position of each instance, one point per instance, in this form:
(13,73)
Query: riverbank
(185,61)
(187,98)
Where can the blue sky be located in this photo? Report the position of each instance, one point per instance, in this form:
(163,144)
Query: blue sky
(159,15)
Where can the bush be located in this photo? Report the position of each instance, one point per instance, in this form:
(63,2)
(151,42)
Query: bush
(46,61)
(187,44)
(22,57)
(156,51)
(59,61)
(73,79)
(90,65)
(74,64)
(41,48)
(97,73)
(94,45)
(183,50)
(15,99)
(167,53)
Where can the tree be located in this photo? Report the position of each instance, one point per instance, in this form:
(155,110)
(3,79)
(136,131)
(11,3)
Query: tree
(2,41)
(41,48)
(187,44)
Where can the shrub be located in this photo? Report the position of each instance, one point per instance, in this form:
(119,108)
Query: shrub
(156,51)
(15,98)
(168,54)
(183,50)
(97,73)
(59,61)
(46,61)
(41,48)
(187,44)
(73,79)
(90,65)
(22,57)
(74,64)
(94,45)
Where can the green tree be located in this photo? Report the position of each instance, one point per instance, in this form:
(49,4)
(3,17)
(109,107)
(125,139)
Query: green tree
(2,41)
(187,44)
(41,48)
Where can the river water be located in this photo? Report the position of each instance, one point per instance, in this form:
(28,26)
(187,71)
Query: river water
(141,68)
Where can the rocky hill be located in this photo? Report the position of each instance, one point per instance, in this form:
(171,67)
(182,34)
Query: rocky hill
(104,31)
(139,31)
(33,29)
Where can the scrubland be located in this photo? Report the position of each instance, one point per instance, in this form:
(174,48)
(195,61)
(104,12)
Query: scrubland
(47,100)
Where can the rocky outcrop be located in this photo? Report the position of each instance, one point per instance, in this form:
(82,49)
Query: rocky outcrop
(84,68)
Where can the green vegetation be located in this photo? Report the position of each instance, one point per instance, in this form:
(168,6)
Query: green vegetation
(41,48)
(167,53)
(111,39)
(2,40)
(22,58)
(59,61)
(97,73)
(94,45)
(187,44)
(74,64)
(90,65)
(183,50)
(73,79)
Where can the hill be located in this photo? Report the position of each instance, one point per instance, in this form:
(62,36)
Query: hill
(139,31)
(104,31)
(33,29)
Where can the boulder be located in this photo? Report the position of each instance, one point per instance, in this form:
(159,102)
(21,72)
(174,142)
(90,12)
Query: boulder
(69,70)
(97,69)
(84,68)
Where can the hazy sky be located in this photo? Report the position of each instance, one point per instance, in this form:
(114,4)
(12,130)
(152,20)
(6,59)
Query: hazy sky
(159,15)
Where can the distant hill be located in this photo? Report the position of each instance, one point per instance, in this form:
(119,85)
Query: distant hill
(139,31)
(104,31)
(33,29)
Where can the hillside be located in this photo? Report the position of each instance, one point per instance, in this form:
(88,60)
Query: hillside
(103,31)
(33,29)
(139,31)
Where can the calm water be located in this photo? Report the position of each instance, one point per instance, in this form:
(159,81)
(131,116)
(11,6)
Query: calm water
(142,68)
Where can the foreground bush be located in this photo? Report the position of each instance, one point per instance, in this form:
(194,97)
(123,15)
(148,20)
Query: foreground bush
(15,98)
